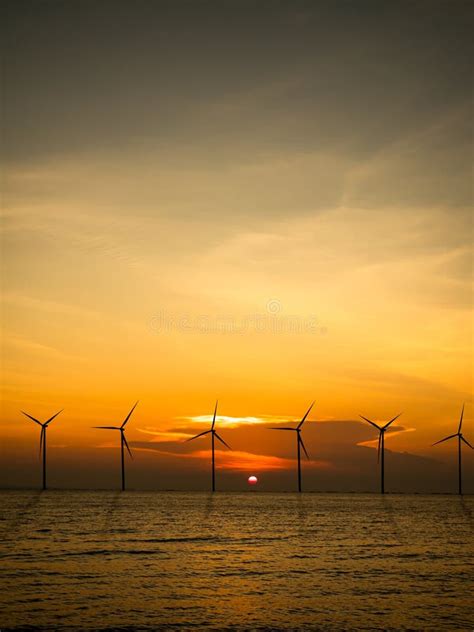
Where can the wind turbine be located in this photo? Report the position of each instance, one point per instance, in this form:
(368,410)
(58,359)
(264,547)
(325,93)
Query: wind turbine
(123,441)
(381,447)
(299,442)
(44,426)
(214,436)
(460,437)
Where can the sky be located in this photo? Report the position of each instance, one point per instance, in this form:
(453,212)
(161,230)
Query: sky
(263,202)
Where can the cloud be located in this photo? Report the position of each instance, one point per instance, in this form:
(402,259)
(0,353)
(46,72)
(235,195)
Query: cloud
(234,460)
(266,77)
(165,436)
(31,302)
(391,432)
(31,346)
(231,422)
(245,461)
(331,438)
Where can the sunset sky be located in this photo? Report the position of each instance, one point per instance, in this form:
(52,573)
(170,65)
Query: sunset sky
(265,202)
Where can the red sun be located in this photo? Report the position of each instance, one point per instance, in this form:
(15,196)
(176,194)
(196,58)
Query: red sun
(252,480)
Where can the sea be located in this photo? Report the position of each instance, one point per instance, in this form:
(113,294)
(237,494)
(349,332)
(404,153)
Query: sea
(102,560)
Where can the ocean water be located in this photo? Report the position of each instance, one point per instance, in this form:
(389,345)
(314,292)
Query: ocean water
(235,561)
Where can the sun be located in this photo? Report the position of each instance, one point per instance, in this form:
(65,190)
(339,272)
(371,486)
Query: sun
(252,480)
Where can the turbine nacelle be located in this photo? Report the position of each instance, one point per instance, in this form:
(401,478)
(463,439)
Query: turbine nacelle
(121,428)
(380,428)
(211,431)
(44,426)
(458,434)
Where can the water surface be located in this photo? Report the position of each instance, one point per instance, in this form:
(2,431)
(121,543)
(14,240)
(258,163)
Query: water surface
(235,561)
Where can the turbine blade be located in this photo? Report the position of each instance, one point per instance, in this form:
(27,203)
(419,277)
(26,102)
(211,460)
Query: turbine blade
(222,441)
(107,427)
(32,418)
(304,418)
(445,439)
(281,428)
(392,420)
(467,443)
(214,418)
(201,434)
(378,448)
(370,422)
(126,445)
(51,418)
(41,439)
(129,415)
(460,420)
(302,445)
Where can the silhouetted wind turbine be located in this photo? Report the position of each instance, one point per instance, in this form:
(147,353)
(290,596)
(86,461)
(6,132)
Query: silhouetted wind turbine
(460,437)
(44,427)
(299,442)
(213,434)
(381,448)
(123,441)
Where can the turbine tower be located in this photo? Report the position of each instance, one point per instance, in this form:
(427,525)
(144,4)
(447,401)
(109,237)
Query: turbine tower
(299,442)
(381,447)
(44,426)
(123,441)
(214,436)
(461,438)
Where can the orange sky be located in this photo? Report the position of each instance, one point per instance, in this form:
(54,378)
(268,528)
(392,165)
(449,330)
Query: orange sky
(273,217)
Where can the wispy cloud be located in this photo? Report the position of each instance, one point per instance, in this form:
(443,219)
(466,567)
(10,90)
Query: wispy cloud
(31,346)
(233,422)
(237,460)
(390,434)
(31,302)
(165,435)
